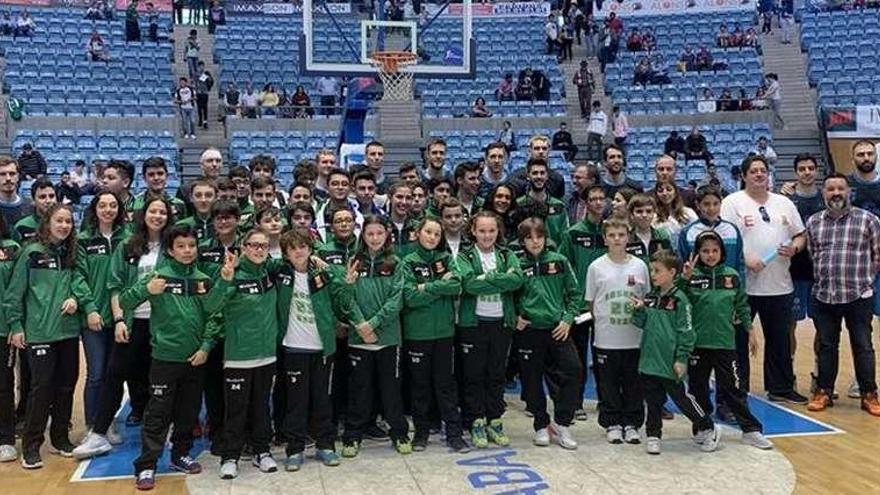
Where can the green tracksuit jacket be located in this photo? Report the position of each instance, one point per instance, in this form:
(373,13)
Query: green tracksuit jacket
(9,250)
(330,297)
(212,254)
(124,274)
(557,218)
(38,287)
(250,319)
(178,315)
(583,244)
(659,240)
(720,305)
(94,256)
(25,230)
(378,299)
(178,207)
(204,227)
(336,253)
(404,240)
(549,293)
(667,334)
(501,283)
(429,314)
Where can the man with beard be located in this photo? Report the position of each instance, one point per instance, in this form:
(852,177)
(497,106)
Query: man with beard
(325,161)
(615,177)
(864,181)
(539,149)
(12,206)
(845,244)
(435,160)
(495,159)
(556,220)
(375,155)
(583,177)
(467,185)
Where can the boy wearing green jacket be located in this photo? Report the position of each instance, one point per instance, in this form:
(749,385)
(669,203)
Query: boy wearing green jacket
(181,299)
(202,195)
(644,240)
(8,251)
(43,197)
(664,316)
(546,307)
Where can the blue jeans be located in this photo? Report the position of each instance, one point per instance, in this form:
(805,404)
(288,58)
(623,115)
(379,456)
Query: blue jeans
(97,348)
(186,121)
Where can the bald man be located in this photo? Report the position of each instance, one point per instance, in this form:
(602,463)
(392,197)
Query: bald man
(664,171)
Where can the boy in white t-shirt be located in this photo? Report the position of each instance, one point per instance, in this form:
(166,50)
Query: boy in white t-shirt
(611,281)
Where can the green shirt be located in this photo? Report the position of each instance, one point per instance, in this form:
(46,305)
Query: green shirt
(720,305)
(549,293)
(8,251)
(476,283)
(667,334)
(429,313)
(378,297)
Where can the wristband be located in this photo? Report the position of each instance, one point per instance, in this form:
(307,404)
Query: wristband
(118,320)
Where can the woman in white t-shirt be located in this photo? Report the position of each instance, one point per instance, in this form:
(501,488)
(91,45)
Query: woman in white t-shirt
(672,214)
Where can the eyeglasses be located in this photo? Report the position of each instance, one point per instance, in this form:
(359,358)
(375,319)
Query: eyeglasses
(261,246)
(764,215)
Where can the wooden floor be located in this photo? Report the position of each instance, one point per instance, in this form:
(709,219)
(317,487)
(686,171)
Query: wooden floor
(842,464)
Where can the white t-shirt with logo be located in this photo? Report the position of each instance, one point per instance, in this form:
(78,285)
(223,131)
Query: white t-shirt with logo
(146,264)
(489,305)
(302,331)
(609,287)
(762,234)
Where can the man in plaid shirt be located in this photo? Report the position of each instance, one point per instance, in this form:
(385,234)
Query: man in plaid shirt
(844,242)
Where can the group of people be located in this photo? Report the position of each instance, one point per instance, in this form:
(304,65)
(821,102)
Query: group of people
(351,296)
(736,38)
(23,25)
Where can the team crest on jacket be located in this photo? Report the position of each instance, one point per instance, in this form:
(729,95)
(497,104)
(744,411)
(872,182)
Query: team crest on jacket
(440,267)
(631,280)
(729,282)
(200,287)
(318,281)
(552,269)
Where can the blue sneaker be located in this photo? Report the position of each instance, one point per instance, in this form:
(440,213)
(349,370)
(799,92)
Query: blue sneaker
(294,462)
(328,457)
(186,464)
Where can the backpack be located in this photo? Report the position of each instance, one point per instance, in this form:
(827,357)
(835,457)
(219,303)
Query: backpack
(15,107)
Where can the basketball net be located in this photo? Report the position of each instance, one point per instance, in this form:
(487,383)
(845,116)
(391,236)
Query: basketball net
(397,85)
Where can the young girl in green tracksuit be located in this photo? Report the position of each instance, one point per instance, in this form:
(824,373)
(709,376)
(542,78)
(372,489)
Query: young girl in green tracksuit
(430,288)
(42,300)
(102,231)
(720,307)
(374,340)
(250,330)
(546,307)
(181,299)
(664,316)
(8,252)
(486,317)
(311,299)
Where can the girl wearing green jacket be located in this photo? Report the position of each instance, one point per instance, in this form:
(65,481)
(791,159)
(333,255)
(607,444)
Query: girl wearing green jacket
(42,300)
(486,317)
(374,341)
(8,251)
(430,287)
(130,356)
(103,229)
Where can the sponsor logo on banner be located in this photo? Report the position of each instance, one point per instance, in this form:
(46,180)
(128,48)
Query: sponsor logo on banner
(280,8)
(653,7)
(862,121)
(507,9)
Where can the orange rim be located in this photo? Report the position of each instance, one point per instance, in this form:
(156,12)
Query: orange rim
(392,60)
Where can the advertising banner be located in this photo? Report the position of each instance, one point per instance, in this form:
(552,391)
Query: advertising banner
(281,8)
(630,8)
(506,9)
(852,122)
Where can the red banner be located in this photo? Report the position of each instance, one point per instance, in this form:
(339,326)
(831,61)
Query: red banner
(161,5)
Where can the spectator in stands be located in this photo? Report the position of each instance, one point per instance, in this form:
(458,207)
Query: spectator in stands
(614,172)
(196,11)
(578,20)
(649,41)
(696,148)
(634,41)
(80,175)
(231,100)
(269,99)
(583,81)
(505,89)
(540,84)
(66,191)
(250,102)
(744,103)
(706,103)
(191,50)
(687,60)
(507,136)
(216,16)
(302,104)
(132,27)
(31,164)
(722,39)
(566,41)
(97,49)
(674,145)
(551,33)
(479,109)
(766,23)
(704,59)
(763,148)
(736,37)
(185,97)
(615,23)
(109,9)
(25,25)
(750,39)
(760,100)
(786,23)
(596,131)
(774,97)
(562,141)
(7,27)
(94,10)
(643,72)
(153,22)
(619,126)
(328,89)
(583,176)
(609,40)
(726,102)
(177,6)
(524,90)
(204,83)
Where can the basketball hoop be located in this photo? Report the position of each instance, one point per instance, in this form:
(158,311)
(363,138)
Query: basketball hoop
(397,85)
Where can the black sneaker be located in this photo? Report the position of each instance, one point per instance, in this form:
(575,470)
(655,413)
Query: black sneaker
(458,445)
(63,448)
(790,397)
(31,459)
(420,443)
(375,433)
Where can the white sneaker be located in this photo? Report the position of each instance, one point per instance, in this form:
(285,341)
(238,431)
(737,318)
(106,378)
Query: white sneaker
(562,435)
(652,445)
(853,392)
(542,438)
(93,445)
(114,436)
(631,435)
(700,437)
(8,453)
(757,439)
(614,434)
(265,462)
(229,469)
(713,438)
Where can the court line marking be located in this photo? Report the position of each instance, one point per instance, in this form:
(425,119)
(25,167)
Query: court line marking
(834,430)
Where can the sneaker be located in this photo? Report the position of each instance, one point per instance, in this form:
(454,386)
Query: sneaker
(114,436)
(666,414)
(403,446)
(790,397)
(478,434)
(542,438)
(562,435)
(185,464)
(351,449)
(495,433)
(713,438)
(458,445)
(229,469)
(376,433)
(820,401)
(580,415)
(328,457)
(146,480)
(631,435)
(652,445)
(8,453)
(265,463)
(64,448)
(31,460)
(420,442)
(133,420)
(94,444)
(700,436)
(756,439)
(870,404)
(614,435)
(853,391)
(294,462)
